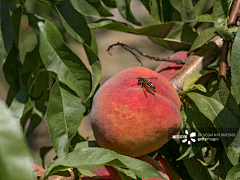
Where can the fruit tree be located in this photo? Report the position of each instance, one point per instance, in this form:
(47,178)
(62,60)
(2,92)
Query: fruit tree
(177,120)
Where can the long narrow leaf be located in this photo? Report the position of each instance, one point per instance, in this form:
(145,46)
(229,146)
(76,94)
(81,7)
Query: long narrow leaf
(64,115)
(92,158)
(58,58)
(171,35)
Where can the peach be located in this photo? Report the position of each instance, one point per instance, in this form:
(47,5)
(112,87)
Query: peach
(167,69)
(104,171)
(132,121)
(156,165)
(112,174)
(163,163)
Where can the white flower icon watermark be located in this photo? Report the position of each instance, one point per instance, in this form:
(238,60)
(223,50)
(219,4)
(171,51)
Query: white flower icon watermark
(193,134)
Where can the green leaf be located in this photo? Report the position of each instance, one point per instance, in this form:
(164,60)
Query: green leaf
(235,66)
(126,174)
(196,169)
(203,125)
(10,96)
(14,154)
(125,11)
(227,99)
(193,87)
(171,153)
(171,35)
(43,152)
(220,172)
(76,139)
(90,8)
(203,18)
(64,116)
(196,75)
(6,26)
(227,164)
(88,173)
(40,90)
(161,11)
(31,62)
(58,58)
(95,68)
(3,52)
(16,20)
(92,158)
(234,173)
(215,155)
(110,3)
(201,7)
(184,7)
(76,25)
(218,114)
(220,14)
(21,105)
(11,69)
(203,38)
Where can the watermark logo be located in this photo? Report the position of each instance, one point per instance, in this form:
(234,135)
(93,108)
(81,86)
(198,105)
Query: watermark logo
(192,136)
(189,138)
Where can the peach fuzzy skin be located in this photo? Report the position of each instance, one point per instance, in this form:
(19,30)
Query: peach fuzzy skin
(131,122)
(167,69)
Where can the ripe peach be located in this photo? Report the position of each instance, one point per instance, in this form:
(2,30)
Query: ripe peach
(130,120)
(168,69)
(112,174)
(163,163)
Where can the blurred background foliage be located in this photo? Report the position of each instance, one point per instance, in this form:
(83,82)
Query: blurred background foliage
(111,64)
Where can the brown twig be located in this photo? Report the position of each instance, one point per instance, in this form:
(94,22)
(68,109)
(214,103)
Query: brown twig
(125,46)
(232,21)
(223,63)
(234,13)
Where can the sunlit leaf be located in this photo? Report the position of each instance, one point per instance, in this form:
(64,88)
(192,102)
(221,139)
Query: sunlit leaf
(220,14)
(92,158)
(235,66)
(203,38)
(218,114)
(234,173)
(90,8)
(193,77)
(58,58)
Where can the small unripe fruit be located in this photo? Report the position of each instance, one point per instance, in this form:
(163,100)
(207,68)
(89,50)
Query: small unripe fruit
(130,120)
